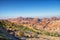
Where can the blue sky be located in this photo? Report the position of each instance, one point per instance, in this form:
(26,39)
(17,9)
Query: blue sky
(29,8)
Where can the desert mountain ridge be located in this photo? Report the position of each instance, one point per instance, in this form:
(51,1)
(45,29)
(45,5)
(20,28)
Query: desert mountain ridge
(31,27)
(43,23)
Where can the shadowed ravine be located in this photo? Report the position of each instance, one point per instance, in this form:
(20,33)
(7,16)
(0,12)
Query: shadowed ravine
(7,35)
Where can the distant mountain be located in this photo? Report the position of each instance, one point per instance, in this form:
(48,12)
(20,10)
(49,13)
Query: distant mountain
(43,23)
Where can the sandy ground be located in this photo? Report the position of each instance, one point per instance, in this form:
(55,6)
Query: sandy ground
(44,37)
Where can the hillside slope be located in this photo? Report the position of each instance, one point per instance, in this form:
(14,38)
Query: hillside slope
(30,28)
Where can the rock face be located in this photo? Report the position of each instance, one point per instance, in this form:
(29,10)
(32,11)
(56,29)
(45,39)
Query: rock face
(54,26)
